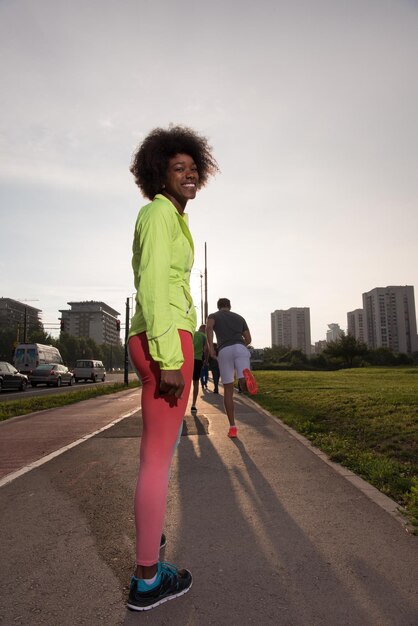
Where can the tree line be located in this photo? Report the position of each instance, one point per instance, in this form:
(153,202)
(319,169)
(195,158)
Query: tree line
(71,348)
(346,351)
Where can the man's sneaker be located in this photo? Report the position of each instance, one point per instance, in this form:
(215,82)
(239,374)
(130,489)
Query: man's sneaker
(250,382)
(163,541)
(173,583)
(193,409)
(232,432)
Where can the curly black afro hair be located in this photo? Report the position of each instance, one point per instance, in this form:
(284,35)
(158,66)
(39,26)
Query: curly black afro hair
(150,162)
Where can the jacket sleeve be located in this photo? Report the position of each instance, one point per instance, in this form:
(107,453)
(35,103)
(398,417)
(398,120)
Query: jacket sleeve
(154,244)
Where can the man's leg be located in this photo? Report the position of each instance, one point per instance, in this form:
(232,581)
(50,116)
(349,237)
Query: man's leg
(195,392)
(226,367)
(196,377)
(229,402)
(242,361)
(215,376)
(204,376)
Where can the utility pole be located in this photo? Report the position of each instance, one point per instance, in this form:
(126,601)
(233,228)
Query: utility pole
(201,298)
(206,285)
(25,318)
(25,326)
(125,373)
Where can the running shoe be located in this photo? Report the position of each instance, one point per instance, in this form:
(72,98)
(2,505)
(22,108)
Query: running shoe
(173,583)
(232,432)
(193,409)
(250,382)
(163,541)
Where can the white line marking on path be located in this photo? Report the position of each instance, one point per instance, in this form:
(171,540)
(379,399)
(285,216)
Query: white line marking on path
(11,477)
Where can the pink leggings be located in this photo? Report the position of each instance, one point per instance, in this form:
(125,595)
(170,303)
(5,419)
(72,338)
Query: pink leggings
(162,418)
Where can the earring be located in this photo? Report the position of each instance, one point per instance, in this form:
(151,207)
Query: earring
(163,186)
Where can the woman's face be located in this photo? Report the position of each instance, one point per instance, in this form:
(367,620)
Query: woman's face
(181,180)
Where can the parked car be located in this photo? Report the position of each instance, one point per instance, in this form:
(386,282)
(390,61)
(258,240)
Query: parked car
(89,369)
(10,378)
(51,374)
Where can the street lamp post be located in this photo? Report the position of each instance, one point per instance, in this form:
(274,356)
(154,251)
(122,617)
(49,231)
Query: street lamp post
(128,308)
(206,285)
(197,269)
(126,366)
(25,326)
(201,297)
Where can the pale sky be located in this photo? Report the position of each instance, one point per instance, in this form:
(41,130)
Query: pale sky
(311,109)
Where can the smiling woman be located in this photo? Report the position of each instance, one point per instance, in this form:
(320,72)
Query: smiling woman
(150,163)
(169,168)
(181,181)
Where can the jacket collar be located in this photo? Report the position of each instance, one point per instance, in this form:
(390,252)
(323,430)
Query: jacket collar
(183,219)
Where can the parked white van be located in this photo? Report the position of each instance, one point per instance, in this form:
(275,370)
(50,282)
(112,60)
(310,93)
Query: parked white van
(28,356)
(89,369)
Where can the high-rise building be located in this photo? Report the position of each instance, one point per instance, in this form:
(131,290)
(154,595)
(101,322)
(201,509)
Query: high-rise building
(19,316)
(334,332)
(355,326)
(390,319)
(320,346)
(95,320)
(292,328)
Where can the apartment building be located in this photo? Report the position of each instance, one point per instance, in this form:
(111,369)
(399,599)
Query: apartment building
(319,346)
(19,316)
(355,325)
(390,319)
(292,328)
(95,320)
(334,332)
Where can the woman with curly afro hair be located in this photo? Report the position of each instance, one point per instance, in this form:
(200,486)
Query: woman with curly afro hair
(169,167)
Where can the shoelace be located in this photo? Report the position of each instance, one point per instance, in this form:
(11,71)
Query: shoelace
(170,571)
(168,568)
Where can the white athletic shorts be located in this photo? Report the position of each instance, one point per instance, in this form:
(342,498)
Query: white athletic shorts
(233,358)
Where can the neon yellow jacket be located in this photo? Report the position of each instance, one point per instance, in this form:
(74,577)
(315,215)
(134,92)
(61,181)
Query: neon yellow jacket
(163,255)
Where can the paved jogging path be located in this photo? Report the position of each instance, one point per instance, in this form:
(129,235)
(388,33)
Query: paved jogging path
(272,534)
(27,438)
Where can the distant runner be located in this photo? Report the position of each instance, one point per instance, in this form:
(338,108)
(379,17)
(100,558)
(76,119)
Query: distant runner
(233,337)
(200,348)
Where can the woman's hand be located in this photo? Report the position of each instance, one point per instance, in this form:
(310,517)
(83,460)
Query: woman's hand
(171,383)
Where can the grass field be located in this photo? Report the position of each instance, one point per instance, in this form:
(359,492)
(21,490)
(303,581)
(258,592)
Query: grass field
(365,419)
